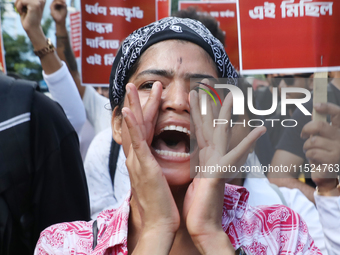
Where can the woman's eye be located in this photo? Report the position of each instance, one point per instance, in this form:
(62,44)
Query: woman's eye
(146,85)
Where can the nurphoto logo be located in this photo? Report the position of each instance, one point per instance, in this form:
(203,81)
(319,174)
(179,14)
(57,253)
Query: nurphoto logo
(239,104)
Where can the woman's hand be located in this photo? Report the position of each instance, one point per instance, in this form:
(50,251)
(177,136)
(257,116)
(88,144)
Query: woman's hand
(203,204)
(150,190)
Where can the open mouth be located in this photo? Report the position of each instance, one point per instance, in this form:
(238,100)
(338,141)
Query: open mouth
(173,141)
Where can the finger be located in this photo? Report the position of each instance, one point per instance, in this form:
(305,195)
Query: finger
(221,131)
(321,156)
(325,179)
(60,4)
(331,109)
(208,116)
(204,87)
(21,8)
(135,106)
(234,156)
(151,109)
(321,128)
(133,166)
(196,119)
(27,5)
(318,142)
(138,141)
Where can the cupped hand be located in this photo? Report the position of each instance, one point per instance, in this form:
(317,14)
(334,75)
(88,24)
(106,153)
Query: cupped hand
(203,203)
(150,190)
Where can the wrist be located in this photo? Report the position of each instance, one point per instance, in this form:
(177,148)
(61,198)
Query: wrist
(154,242)
(215,244)
(61,30)
(49,48)
(331,188)
(37,38)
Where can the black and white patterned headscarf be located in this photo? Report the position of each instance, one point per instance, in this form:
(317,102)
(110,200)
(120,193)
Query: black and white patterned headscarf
(168,28)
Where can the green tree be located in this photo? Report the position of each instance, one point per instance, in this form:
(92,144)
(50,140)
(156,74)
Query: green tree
(18,51)
(19,55)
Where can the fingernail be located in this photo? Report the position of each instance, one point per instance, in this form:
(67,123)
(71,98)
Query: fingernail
(313,139)
(127,90)
(317,105)
(303,136)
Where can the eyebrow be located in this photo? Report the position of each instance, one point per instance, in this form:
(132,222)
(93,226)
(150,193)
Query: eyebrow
(169,74)
(159,72)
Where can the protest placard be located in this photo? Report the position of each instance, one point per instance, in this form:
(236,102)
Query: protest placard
(75,23)
(289,36)
(163,9)
(104,25)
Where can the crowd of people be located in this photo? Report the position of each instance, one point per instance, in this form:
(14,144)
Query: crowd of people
(109,170)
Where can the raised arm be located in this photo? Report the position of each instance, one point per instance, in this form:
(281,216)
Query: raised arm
(31,14)
(64,50)
(56,75)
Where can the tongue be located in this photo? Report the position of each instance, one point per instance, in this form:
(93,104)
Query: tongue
(161,145)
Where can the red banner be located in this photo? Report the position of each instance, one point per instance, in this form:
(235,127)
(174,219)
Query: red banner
(2,58)
(164,9)
(75,24)
(285,36)
(105,24)
(225,12)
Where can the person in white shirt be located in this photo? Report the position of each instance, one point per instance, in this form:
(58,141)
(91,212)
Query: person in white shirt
(322,148)
(94,104)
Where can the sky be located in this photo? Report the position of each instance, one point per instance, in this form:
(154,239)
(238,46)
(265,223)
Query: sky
(11,22)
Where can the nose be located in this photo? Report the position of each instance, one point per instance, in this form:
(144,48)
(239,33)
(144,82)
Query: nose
(175,97)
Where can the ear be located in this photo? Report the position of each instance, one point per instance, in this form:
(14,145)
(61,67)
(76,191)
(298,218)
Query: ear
(116,124)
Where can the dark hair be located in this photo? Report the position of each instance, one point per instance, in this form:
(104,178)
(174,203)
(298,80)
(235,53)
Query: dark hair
(209,21)
(131,71)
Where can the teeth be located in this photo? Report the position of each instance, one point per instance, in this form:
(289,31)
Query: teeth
(185,130)
(177,128)
(173,154)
